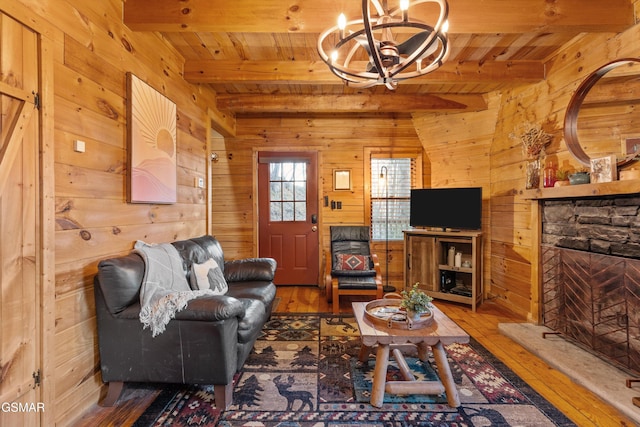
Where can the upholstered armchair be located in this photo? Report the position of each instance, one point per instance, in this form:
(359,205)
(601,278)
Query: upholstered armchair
(351,268)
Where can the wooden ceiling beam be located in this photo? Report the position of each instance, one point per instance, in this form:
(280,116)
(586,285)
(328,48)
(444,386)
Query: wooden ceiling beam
(362,103)
(317,72)
(313,16)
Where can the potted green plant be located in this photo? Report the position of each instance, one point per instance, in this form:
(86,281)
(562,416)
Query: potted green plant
(415,302)
(562,178)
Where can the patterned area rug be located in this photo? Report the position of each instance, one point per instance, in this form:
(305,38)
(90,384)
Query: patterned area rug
(304,372)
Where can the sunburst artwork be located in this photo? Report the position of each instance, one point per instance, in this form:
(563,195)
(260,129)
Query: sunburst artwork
(152,144)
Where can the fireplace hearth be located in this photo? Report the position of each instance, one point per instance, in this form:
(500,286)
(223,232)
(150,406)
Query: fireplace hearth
(594,301)
(590,263)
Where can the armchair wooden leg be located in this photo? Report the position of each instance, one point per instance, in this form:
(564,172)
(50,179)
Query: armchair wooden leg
(223,395)
(114,389)
(336,300)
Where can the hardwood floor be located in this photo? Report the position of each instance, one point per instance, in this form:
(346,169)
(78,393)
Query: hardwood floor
(579,404)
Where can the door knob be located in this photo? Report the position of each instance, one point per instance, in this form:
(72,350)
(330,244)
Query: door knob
(314,228)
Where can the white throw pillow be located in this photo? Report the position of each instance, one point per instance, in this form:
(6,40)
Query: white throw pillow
(208,276)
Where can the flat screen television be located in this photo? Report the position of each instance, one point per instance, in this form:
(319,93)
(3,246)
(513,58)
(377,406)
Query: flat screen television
(446,208)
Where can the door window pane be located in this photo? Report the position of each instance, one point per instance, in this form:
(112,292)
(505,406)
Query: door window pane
(301,191)
(287,211)
(301,211)
(276,190)
(275,171)
(275,211)
(288,191)
(287,171)
(300,172)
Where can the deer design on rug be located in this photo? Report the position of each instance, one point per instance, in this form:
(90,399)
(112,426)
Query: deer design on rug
(292,395)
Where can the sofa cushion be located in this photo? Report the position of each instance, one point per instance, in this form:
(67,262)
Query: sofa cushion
(250,326)
(212,248)
(248,269)
(120,280)
(256,290)
(191,253)
(214,307)
(357,283)
(353,262)
(208,275)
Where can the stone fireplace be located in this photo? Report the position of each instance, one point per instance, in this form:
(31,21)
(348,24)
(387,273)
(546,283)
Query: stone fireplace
(590,263)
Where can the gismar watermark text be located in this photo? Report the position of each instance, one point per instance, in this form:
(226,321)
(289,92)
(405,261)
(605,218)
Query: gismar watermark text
(21,407)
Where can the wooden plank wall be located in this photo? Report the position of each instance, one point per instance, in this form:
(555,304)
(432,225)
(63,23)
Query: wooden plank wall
(459,147)
(341,142)
(544,103)
(512,240)
(93,53)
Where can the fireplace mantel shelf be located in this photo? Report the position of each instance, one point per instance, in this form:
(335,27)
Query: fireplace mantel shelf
(631,186)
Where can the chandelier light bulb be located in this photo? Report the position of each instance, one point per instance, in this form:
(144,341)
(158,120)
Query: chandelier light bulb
(342,24)
(334,56)
(342,21)
(445,26)
(404,7)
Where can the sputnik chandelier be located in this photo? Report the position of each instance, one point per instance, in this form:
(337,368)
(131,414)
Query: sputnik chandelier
(386,47)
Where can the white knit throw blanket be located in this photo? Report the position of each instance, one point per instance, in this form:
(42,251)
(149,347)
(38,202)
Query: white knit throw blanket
(164,290)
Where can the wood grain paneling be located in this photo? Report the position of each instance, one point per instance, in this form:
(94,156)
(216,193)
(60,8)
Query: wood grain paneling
(92,52)
(454,143)
(459,147)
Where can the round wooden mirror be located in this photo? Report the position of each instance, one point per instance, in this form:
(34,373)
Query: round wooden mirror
(603,116)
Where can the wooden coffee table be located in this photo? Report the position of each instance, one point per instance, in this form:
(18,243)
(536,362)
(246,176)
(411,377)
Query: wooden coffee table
(442,332)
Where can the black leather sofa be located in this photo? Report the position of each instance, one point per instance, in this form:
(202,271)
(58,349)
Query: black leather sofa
(206,343)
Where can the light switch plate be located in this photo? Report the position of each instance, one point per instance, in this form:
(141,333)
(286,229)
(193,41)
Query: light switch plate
(78,146)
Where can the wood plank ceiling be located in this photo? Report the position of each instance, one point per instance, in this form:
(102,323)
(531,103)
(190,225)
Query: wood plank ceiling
(260,55)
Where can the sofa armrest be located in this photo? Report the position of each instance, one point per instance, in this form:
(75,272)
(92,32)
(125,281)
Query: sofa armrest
(250,269)
(212,308)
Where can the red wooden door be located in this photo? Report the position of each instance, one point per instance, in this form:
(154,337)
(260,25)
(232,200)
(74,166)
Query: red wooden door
(288,215)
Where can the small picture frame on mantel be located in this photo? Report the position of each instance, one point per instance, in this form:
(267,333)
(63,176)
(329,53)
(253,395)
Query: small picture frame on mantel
(631,145)
(604,169)
(342,179)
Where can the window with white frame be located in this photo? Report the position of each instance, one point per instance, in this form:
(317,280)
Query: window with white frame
(391,183)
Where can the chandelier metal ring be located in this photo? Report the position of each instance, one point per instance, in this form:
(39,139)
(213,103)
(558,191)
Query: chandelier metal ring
(365,53)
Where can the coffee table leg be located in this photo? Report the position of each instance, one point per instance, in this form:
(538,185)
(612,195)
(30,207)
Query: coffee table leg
(440,355)
(380,375)
(423,351)
(363,356)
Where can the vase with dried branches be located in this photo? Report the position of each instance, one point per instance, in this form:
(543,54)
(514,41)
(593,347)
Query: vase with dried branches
(534,142)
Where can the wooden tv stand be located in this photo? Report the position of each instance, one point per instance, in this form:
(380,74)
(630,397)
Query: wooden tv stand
(426,263)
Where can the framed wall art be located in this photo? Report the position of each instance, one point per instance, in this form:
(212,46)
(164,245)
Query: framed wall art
(151,129)
(342,179)
(604,169)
